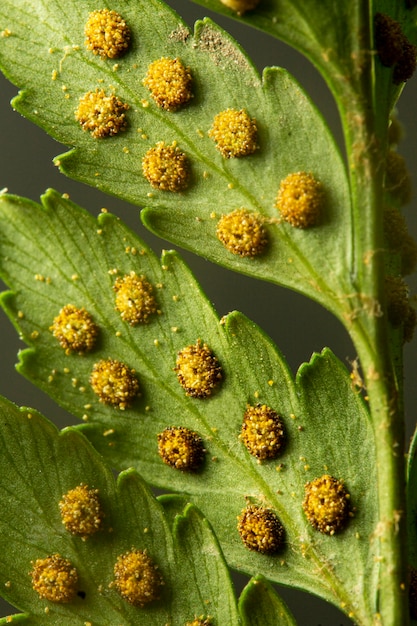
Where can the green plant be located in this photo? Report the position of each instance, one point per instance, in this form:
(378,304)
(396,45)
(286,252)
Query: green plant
(301,478)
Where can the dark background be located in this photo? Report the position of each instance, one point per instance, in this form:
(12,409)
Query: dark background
(297,325)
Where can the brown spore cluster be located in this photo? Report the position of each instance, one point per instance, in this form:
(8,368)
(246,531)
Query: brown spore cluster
(107,34)
(135,298)
(81,511)
(397,178)
(114,383)
(137,578)
(54,578)
(169,82)
(394,49)
(260,529)
(327,504)
(242,233)
(400,311)
(263,432)
(399,240)
(198,370)
(75,329)
(181,448)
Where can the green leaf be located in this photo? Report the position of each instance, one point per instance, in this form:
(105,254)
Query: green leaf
(325,417)
(38,465)
(292,136)
(294,258)
(308,26)
(259,604)
(20,618)
(327,33)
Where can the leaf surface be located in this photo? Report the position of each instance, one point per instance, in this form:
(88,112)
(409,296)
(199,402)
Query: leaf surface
(54,69)
(324,32)
(37,466)
(325,418)
(261,605)
(335,37)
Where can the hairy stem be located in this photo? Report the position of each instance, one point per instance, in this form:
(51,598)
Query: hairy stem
(366,137)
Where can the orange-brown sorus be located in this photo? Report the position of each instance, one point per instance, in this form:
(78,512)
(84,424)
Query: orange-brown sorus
(242,233)
(327,504)
(169,82)
(75,329)
(181,448)
(300,200)
(54,578)
(260,529)
(137,578)
(263,432)
(100,114)
(107,34)
(114,383)
(198,370)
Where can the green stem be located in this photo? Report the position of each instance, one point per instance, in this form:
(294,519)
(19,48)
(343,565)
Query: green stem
(370,334)
(366,138)
(385,410)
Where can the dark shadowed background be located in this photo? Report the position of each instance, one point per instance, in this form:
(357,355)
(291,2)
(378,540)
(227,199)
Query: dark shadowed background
(298,326)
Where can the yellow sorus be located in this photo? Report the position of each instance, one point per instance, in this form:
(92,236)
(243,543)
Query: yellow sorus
(75,329)
(134,298)
(260,529)
(198,370)
(300,200)
(326,504)
(137,578)
(166,167)
(81,511)
(106,34)
(114,383)
(169,82)
(235,133)
(181,448)
(100,114)
(54,578)
(262,432)
(242,233)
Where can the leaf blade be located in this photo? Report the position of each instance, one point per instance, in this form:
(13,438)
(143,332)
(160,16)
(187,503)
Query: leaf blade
(132,516)
(327,433)
(259,604)
(292,137)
